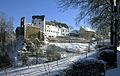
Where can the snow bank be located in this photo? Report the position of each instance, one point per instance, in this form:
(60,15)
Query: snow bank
(115,71)
(74,46)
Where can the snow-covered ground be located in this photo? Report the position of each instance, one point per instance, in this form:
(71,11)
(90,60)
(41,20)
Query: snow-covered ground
(72,45)
(56,66)
(116,71)
(44,69)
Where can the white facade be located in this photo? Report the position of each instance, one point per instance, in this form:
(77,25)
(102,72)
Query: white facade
(39,22)
(53,30)
(64,31)
(50,29)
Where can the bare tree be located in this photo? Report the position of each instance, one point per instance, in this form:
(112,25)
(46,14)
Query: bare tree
(2,31)
(97,12)
(6,37)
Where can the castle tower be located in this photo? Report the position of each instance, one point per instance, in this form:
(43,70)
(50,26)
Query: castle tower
(22,26)
(39,21)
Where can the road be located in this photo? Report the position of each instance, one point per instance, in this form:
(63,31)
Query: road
(45,69)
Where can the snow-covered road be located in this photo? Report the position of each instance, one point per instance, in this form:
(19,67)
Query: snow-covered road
(44,69)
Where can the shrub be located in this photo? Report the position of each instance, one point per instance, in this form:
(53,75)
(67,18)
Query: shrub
(5,62)
(106,47)
(108,56)
(87,67)
(52,53)
(24,59)
(98,46)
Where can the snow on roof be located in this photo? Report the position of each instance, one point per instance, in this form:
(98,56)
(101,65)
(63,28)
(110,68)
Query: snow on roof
(88,28)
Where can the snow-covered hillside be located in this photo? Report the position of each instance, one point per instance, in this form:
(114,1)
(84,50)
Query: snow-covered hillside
(72,46)
(14,50)
(46,68)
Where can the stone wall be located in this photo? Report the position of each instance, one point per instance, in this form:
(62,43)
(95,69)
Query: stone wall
(34,32)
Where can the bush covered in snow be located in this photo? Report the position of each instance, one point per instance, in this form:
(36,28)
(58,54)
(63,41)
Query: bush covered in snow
(87,67)
(98,46)
(4,62)
(52,52)
(107,54)
(24,59)
(106,47)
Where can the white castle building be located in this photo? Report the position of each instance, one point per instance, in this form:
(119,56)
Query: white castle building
(52,28)
(39,21)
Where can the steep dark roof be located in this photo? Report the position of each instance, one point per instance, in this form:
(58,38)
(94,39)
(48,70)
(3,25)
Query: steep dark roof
(56,24)
(61,24)
(48,23)
(38,17)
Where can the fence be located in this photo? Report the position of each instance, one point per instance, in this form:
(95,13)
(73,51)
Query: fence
(46,69)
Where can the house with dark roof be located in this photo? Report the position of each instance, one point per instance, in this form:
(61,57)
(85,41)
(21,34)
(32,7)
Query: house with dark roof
(39,28)
(86,33)
(55,29)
